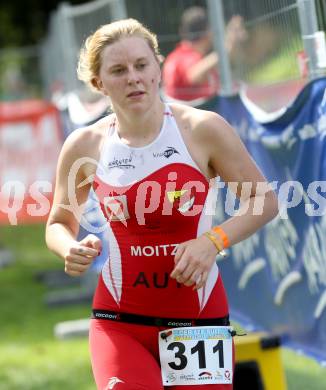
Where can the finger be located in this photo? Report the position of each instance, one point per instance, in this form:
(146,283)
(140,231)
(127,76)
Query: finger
(193,278)
(92,241)
(179,253)
(84,260)
(97,244)
(179,269)
(202,281)
(75,267)
(186,274)
(85,251)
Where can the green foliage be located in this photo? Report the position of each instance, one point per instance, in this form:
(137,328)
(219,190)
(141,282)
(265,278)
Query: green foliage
(24,23)
(7,30)
(282,66)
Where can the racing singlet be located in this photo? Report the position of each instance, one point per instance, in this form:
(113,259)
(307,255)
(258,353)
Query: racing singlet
(153,197)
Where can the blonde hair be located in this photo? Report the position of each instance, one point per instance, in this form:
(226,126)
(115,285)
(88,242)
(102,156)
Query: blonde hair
(90,58)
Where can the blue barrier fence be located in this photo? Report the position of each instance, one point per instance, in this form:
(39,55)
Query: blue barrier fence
(276,279)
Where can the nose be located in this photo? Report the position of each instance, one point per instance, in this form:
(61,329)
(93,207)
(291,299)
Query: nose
(133,77)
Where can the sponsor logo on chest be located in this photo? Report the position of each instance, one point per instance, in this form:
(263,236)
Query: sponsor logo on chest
(123,163)
(167,153)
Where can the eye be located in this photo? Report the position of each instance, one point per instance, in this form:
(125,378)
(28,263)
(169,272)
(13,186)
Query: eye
(117,71)
(141,65)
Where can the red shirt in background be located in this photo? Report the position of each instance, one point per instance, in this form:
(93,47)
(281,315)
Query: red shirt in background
(175,80)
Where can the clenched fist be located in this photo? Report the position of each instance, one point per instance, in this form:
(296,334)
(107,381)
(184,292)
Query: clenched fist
(81,255)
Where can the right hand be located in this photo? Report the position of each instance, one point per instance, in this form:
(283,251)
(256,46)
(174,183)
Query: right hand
(82,254)
(193,262)
(236,32)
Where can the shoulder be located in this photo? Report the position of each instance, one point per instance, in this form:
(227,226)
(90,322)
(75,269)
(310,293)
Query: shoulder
(82,148)
(202,123)
(215,139)
(86,141)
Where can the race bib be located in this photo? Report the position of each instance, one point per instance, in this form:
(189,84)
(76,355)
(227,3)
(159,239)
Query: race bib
(196,355)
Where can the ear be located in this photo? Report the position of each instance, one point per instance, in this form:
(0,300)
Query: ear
(97,84)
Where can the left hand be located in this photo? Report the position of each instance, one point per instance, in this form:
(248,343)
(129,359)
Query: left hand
(193,261)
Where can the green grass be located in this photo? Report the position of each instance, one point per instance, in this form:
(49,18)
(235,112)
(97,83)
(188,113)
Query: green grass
(281,66)
(31,358)
(303,373)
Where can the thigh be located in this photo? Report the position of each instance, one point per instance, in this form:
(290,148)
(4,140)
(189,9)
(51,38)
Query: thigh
(119,360)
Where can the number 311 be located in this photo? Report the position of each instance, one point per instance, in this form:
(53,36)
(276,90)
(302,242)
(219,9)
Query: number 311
(198,348)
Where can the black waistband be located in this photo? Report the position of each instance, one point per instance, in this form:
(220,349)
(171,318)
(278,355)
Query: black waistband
(156,321)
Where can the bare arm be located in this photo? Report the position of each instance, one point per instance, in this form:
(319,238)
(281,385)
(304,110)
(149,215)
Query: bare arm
(235,35)
(229,159)
(69,196)
(199,72)
(232,162)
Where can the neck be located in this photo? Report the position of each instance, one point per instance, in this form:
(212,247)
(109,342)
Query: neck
(142,128)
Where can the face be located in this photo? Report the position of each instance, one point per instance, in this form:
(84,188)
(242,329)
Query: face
(129,74)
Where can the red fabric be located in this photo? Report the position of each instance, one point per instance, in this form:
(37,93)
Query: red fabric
(144,280)
(125,356)
(135,278)
(175,80)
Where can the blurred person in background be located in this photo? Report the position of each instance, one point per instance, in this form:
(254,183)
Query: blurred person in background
(190,71)
(150,164)
(14,86)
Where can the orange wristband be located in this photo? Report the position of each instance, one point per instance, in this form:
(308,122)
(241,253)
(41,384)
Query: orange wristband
(211,237)
(218,230)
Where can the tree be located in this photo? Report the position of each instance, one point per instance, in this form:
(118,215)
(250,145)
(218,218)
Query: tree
(24,23)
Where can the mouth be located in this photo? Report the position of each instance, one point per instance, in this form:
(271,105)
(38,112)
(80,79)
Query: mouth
(136,93)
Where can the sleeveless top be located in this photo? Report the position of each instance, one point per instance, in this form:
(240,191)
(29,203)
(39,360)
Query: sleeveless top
(153,197)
